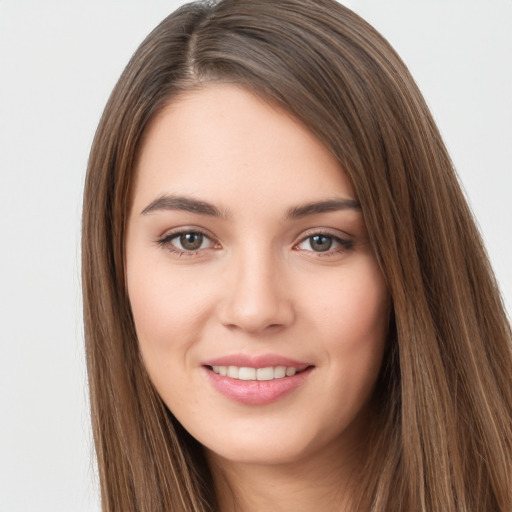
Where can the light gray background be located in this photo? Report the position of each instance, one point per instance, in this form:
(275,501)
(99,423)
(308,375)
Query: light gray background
(58,62)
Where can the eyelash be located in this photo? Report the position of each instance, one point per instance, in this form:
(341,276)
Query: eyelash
(344,245)
(166,241)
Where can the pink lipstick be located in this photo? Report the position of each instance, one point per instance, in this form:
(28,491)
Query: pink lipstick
(256,380)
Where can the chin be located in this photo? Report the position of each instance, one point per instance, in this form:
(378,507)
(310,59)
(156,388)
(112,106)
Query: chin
(272,445)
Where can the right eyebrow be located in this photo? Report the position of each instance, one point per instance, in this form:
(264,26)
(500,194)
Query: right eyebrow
(188,204)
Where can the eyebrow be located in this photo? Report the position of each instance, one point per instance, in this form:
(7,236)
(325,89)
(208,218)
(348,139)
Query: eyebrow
(188,204)
(330,205)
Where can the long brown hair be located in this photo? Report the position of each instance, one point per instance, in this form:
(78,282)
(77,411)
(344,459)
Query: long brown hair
(444,396)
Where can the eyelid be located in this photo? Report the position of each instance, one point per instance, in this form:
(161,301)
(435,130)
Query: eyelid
(186,228)
(164,240)
(345,241)
(335,233)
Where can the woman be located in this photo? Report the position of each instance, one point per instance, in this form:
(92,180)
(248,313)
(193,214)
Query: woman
(287,303)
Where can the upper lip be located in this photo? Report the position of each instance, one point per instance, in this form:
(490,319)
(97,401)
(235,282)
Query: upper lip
(257,361)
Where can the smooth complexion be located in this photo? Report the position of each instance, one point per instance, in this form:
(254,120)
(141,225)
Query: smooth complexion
(246,248)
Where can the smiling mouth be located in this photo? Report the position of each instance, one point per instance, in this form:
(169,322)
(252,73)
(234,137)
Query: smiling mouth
(260,384)
(256,374)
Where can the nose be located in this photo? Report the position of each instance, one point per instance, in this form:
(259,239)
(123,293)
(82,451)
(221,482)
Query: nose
(256,297)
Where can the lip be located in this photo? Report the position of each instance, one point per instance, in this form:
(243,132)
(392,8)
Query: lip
(260,361)
(252,392)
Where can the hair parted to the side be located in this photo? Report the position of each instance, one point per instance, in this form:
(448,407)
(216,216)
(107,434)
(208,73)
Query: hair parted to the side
(444,441)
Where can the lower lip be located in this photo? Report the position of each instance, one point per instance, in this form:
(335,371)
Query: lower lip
(257,392)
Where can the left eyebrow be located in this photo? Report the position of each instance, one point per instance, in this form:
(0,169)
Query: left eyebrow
(330,205)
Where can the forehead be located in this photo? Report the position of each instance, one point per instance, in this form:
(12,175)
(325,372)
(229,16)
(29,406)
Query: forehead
(222,141)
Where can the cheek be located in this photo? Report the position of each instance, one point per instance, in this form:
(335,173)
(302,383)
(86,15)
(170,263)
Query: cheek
(352,320)
(169,313)
(168,308)
(365,312)
(354,309)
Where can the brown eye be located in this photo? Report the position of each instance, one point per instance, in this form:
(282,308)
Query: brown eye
(324,243)
(320,243)
(187,242)
(191,241)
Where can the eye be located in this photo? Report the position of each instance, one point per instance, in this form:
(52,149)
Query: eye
(191,241)
(186,242)
(324,243)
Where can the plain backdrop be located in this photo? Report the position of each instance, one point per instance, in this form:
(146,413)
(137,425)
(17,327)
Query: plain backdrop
(58,63)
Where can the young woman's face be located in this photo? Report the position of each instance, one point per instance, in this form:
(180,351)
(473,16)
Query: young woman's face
(260,310)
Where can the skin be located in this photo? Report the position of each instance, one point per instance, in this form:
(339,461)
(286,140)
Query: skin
(257,285)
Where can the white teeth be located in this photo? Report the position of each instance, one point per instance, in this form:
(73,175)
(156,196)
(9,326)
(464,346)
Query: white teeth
(290,372)
(280,372)
(265,373)
(233,372)
(247,373)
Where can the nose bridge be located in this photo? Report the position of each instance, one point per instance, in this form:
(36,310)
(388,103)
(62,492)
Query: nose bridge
(256,298)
